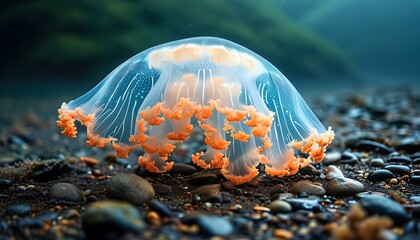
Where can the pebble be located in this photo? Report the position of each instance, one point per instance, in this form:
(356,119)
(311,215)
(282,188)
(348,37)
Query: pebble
(203,178)
(409,145)
(183,169)
(282,234)
(214,226)
(66,192)
(162,189)
(5,184)
(20,209)
(371,146)
(309,170)
(332,158)
(228,185)
(393,181)
(160,208)
(111,218)
(90,161)
(305,186)
(399,159)
(415,179)
(364,194)
(384,206)
(377,162)
(276,189)
(333,172)
(209,193)
(280,206)
(4,196)
(349,158)
(8,160)
(380,175)
(398,169)
(415,199)
(130,188)
(344,187)
(304,204)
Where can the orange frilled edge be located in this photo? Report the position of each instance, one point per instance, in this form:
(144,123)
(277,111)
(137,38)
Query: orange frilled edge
(181,112)
(314,145)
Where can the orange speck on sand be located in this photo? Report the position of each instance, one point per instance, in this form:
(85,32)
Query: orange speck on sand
(89,161)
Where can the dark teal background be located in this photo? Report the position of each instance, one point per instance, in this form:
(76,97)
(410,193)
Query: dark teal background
(50,47)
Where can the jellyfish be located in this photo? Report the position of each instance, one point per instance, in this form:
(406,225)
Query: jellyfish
(248,111)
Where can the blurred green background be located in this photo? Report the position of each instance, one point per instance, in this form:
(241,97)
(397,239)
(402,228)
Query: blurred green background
(71,44)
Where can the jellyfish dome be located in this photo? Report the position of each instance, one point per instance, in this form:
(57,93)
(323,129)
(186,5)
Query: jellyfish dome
(248,111)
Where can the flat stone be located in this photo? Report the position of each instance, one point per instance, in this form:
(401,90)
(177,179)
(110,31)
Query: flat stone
(19,209)
(309,170)
(130,188)
(384,206)
(398,169)
(371,146)
(333,172)
(399,159)
(304,204)
(377,162)
(380,175)
(280,206)
(276,189)
(228,185)
(344,187)
(5,183)
(162,189)
(66,192)
(160,208)
(305,186)
(183,169)
(332,158)
(214,226)
(415,179)
(209,193)
(111,218)
(203,178)
(349,158)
